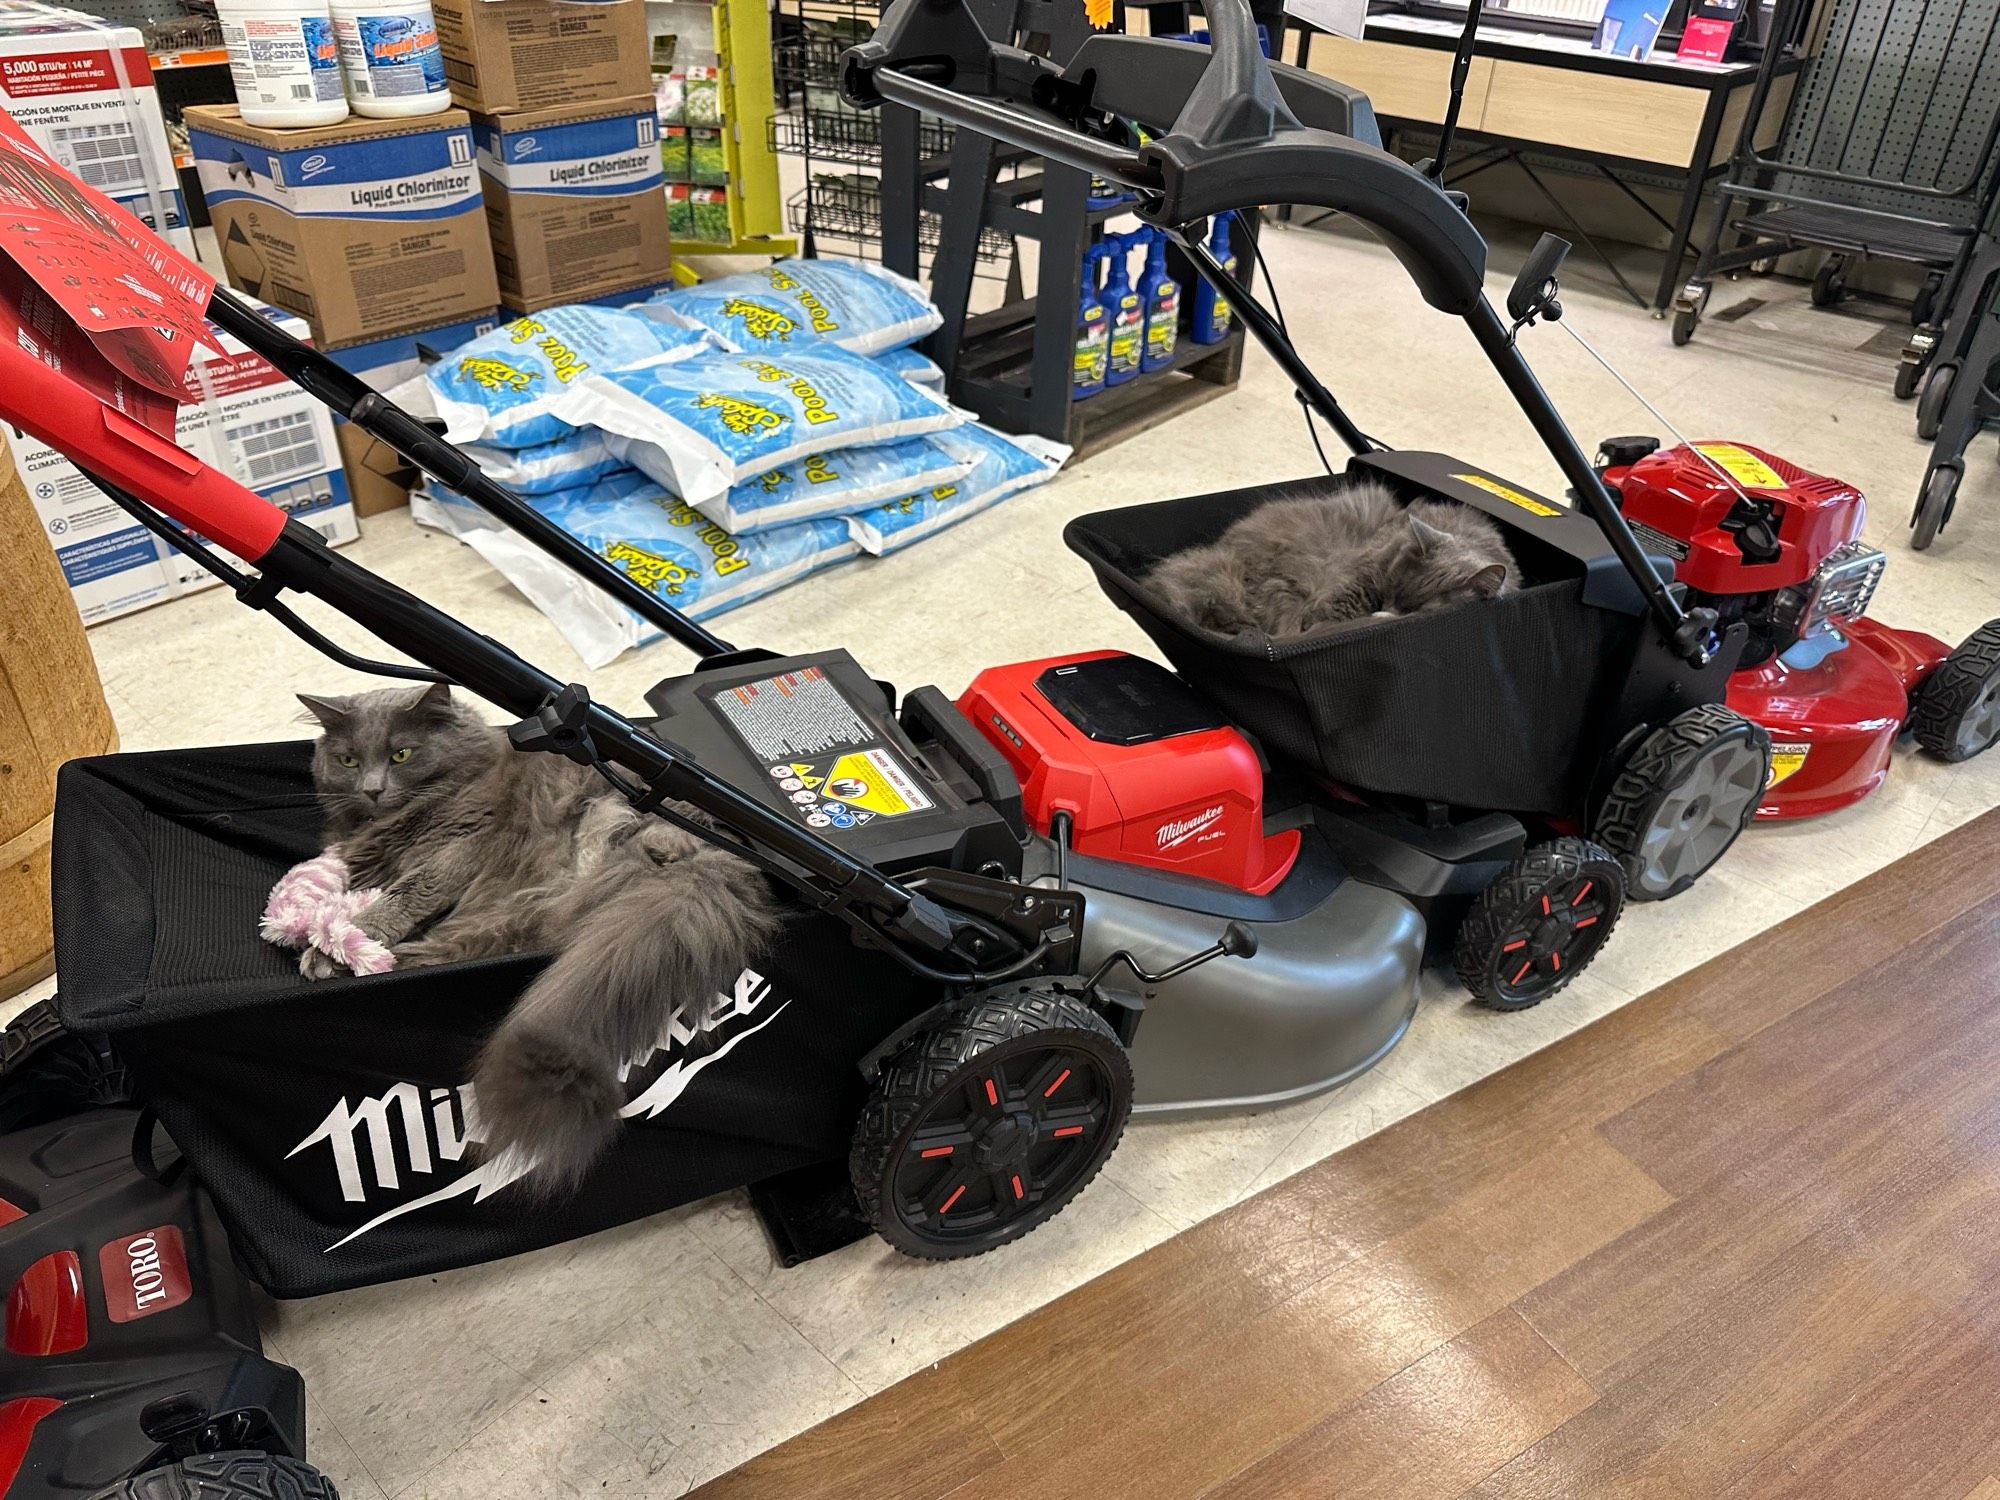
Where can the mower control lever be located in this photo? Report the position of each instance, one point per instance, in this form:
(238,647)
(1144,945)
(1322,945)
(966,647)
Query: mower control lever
(1237,941)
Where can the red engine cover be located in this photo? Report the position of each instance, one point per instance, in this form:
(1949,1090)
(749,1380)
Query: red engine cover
(1674,493)
(1190,801)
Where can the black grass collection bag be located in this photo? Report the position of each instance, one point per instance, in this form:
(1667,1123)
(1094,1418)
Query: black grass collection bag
(332,1122)
(1487,705)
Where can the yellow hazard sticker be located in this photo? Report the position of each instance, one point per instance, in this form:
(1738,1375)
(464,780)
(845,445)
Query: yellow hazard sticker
(1785,762)
(1743,466)
(873,781)
(1513,496)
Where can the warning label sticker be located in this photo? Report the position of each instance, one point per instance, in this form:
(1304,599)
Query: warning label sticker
(1743,466)
(825,760)
(1785,761)
(872,781)
(1511,495)
(792,715)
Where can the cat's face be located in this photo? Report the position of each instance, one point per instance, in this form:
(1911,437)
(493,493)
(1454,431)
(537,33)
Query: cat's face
(1433,569)
(377,749)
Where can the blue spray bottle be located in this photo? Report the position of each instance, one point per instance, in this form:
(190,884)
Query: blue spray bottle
(1211,308)
(1092,332)
(1126,310)
(1161,296)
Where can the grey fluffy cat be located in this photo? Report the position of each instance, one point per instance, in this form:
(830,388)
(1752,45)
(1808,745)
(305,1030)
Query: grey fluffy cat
(481,850)
(1298,564)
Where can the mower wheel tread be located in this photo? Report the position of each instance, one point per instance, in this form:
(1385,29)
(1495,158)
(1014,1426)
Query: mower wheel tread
(227,1476)
(27,1033)
(48,1072)
(1543,867)
(1948,692)
(919,1072)
(1662,760)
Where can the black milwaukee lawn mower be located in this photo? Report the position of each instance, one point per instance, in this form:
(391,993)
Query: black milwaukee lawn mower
(1099,886)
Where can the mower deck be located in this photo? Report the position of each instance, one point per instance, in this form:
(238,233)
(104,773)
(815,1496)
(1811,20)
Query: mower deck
(1834,719)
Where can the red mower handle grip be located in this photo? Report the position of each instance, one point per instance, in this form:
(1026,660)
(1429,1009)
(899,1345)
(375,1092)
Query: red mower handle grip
(73,421)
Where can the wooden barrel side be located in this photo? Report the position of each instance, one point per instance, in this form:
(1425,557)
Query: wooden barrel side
(52,709)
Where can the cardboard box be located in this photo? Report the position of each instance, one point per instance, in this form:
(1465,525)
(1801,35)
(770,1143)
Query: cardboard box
(573,200)
(507,55)
(378,477)
(623,296)
(83,90)
(385,363)
(368,228)
(243,418)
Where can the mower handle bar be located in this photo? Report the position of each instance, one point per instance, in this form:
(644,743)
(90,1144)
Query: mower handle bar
(1235,142)
(140,469)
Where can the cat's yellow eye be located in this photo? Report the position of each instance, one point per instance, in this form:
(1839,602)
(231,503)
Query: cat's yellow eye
(349,761)
(402,755)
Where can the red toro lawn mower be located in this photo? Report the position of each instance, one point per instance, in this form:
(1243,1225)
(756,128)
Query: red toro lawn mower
(1766,543)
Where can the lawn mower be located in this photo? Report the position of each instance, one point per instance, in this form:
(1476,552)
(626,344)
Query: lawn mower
(1766,543)
(1088,885)
(131,1366)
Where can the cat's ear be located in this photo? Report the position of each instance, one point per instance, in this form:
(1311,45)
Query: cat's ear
(1489,580)
(328,713)
(433,698)
(1427,535)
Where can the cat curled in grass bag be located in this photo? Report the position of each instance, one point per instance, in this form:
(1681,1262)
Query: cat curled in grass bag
(471,849)
(1304,561)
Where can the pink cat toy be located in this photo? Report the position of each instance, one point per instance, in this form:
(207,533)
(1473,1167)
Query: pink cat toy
(311,908)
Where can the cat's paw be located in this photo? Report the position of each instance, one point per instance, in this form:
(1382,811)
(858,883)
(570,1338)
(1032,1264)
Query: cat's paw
(317,965)
(423,952)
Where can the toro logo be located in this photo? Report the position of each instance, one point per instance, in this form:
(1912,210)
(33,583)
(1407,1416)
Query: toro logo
(144,1273)
(1190,830)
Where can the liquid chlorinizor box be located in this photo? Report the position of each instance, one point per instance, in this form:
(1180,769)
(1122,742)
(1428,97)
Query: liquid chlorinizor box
(366,229)
(574,200)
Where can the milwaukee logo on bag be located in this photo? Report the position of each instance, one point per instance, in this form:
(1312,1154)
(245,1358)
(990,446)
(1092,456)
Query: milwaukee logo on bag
(144,1273)
(371,1142)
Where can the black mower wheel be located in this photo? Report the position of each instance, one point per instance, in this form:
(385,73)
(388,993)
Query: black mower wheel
(1539,924)
(1931,404)
(1934,505)
(1682,798)
(984,1127)
(1956,714)
(227,1476)
(1830,281)
(48,1072)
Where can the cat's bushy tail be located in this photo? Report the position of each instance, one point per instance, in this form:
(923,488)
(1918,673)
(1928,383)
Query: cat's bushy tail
(660,941)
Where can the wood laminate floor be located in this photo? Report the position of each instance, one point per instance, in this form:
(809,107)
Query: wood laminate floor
(1740,1238)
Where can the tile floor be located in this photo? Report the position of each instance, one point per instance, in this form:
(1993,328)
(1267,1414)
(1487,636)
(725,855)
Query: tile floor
(643,1361)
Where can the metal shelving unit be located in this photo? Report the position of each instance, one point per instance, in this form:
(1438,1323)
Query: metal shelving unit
(960,208)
